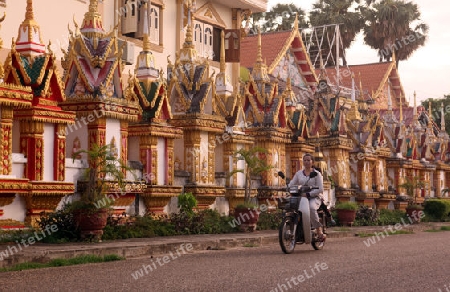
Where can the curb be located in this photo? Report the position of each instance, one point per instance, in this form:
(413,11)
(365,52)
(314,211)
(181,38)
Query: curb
(134,248)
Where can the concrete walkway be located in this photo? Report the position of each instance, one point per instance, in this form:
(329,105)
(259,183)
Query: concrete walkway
(140,247)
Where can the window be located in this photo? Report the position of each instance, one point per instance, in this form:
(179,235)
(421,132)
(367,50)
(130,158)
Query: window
(232,43)
(207,40)
(132,15)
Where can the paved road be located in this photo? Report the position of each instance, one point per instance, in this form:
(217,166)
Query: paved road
(407,262)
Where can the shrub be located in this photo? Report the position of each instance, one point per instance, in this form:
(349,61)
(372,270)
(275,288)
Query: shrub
(437,209)
(269,220)
(366,216)
(187,202)
(63,219)
(391,217)
(347,206)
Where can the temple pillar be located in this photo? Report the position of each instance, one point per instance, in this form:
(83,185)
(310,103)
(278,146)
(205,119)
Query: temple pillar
(124,142)
(59,171)
(32,146)
(6,122)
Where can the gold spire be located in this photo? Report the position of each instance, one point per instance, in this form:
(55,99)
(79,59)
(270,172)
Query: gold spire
(145,65)
(260,69)
(415,116)
(29,32)
(188,52)
(222,51)
(430,117)
(296,22)
(401,110)
(259,52)
(442,118)
(146,40)
(92,22)
(361,94)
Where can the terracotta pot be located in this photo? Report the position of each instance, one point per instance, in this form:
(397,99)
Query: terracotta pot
(91,222)
(246,218)
(346,217)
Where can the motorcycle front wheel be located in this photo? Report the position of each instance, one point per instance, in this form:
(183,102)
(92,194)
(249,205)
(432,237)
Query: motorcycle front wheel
(316,244)
(286,235)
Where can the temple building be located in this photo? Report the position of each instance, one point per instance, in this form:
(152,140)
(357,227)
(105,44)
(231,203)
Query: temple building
(176,88)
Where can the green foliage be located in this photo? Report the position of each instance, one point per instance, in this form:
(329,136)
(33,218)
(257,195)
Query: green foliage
(66,227)
(411,185)
(280,18)
(366,216)
(393,26)
(328,12)
(7,236)
(187,202)
(346,206)
(391,217)
(269,220)
(437,209)
(246,205)
(137,227)
(103,163)
(373,217)
(83,259)
(255,165)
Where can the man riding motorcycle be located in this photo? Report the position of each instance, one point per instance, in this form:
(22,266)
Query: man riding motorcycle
(303,177)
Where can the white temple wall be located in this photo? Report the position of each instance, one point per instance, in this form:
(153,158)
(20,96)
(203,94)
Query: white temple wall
(49,148)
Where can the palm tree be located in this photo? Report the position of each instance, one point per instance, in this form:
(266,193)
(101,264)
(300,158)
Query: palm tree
(389,28)
(326,12)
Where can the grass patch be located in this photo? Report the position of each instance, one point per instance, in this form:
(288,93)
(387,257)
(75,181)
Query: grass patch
(79,260)
(249,244)
(341,229)
(363,234)
(443,228)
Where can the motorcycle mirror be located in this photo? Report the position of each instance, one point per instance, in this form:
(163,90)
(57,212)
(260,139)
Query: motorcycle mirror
(313,174)
(281,174)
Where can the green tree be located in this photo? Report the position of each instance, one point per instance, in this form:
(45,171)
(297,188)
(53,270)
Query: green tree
(393,26)
(281,17)
(326,12)
(436,104)
(254,166)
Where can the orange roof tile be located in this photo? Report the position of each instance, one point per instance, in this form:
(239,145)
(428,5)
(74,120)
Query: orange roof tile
(271,45)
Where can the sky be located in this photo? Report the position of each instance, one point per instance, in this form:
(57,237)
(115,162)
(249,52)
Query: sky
(427,71)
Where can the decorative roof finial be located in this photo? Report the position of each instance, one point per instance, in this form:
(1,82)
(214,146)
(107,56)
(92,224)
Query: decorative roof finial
(442,118)
(188,52)
(145,65)
(29,32)
(92,22)
(401,110)
(146,40)
(389,96)
(429,111)
(260,68)
(415,116)
(222,52)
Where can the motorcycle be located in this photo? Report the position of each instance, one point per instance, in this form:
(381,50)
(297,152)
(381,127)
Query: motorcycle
(295,227)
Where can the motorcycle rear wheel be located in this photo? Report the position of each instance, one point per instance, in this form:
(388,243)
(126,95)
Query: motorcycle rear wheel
(286,235)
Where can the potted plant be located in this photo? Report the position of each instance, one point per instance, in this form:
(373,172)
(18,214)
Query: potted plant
(413,208)
(92,210)
(247,212)
(346,212)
